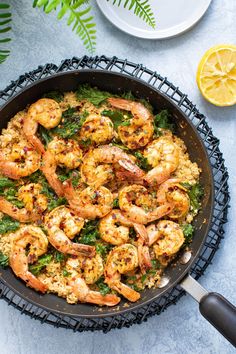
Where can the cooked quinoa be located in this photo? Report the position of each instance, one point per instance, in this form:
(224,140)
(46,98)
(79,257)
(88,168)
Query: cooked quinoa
(53,268)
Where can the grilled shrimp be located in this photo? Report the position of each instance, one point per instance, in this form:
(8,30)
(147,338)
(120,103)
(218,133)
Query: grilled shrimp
(20,161)
(133,200)
(114,229)
(167,237)
(91,203)
(91,269)
(98,129)
(46,112)
(140,130)
(79,291)
(163,155)
(62,226)
(173,192)
(97,168)
(121,259)
(20,258)
(63,153)
(35,204)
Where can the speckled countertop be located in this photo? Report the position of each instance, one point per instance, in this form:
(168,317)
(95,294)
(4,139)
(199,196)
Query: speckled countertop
(39,39)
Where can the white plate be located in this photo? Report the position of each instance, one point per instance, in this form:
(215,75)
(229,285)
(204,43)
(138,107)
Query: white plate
(172,17)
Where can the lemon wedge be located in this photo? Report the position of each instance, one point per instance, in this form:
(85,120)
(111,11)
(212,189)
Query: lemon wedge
(216,75)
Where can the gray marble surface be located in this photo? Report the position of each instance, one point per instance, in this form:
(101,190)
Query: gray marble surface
(39,39)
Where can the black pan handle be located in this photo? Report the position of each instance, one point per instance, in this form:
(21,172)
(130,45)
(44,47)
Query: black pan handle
(214,307)
(221,314)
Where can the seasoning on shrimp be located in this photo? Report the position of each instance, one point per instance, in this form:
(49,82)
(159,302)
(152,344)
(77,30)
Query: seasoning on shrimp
(140,129)
(113,196)
(46,112)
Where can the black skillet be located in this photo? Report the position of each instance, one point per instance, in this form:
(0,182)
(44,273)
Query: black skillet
(215,308)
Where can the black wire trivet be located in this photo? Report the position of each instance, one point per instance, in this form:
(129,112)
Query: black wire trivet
(220,175)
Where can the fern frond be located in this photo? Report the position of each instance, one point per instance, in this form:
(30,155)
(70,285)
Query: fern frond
(78,17)
(5,19)
(141,8)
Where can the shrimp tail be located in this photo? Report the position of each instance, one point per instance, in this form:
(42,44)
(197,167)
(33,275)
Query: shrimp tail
(144,258)
(124,290)
(130,171)
(49,170)
(30,128)
(34,283)
(108,300)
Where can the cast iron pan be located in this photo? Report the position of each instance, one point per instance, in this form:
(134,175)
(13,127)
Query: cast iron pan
(213,306)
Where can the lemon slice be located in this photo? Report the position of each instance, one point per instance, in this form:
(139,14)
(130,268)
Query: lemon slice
(216,75)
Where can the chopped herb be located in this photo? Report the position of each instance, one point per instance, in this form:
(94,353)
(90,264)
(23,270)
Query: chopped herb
(85,143)
(71,123)
(37,177)
(118,118)
(103,249)
(155,264)
(54,95)
(128,96)
(8,224)
(6,183)
(73,175)
(135,287)
(89,233)
(188,231)
(116,203)
(42,262)
(103,288)
(9,189)
(59,257)
(65,273)
(92,94)
(4,260)
(142,161)
(45,135)
(11,195)
(195,193)
(53,203)
(162,121)
(143,278)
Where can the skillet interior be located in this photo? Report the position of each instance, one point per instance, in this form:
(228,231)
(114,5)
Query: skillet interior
(117,83)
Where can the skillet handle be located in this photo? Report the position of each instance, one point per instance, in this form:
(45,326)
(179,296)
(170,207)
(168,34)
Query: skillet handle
(214,307)
(221,314)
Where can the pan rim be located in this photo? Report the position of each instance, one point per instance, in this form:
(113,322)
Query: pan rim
(135,306)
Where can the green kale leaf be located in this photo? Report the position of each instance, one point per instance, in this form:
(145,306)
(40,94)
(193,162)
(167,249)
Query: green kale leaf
(6,183)
(89,233)
(195,193)
(92,94)
(103,288)
(8,224)
(142,161)
(188,231)
(71,123)
(54,95)
(118,118)
(162,121)
(42,262)
(4,260)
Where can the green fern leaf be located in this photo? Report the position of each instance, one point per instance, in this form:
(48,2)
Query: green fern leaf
(141,8)
(79,18)
(5,19)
